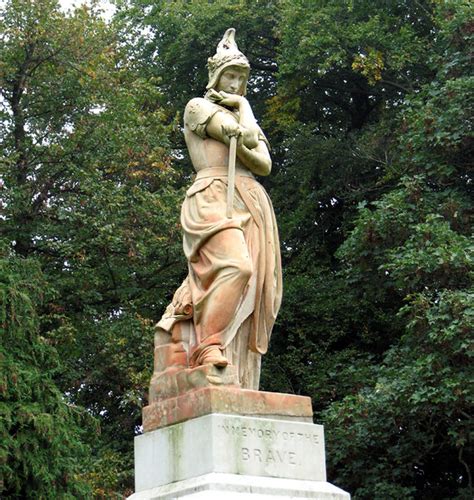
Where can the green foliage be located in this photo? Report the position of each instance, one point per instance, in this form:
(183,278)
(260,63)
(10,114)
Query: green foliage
(415,241)
(367,108)
(416,418)
(42,434)
(342,60)
(91,193)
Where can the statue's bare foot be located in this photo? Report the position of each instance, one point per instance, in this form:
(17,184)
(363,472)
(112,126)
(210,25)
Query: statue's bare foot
(214,357)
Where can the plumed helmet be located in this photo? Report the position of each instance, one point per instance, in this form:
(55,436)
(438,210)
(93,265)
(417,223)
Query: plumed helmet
(227,54)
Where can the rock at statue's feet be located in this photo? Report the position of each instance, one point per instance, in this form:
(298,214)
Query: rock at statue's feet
(176,381)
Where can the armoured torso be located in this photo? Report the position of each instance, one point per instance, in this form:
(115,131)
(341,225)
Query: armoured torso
(205,151)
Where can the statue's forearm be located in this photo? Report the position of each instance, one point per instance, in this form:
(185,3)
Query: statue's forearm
(249,124)
(256,160)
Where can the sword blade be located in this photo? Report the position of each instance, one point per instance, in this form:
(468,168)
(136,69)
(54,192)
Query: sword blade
(231,177)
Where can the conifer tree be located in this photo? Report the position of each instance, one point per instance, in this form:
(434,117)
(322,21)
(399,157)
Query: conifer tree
(42,445)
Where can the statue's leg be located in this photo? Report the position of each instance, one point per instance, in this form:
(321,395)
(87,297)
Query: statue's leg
(218,280)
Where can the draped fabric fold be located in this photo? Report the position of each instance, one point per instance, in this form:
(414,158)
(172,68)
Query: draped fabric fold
(214,246)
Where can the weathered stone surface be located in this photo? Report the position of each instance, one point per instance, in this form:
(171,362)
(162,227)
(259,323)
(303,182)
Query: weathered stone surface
(218,486)
(176,381)
(227,400)
(206,376)
(170,355)
(230,444)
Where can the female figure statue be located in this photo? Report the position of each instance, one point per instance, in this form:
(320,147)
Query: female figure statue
(225,309)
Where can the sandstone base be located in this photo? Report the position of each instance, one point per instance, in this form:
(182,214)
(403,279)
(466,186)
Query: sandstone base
(225,399)
(218,486)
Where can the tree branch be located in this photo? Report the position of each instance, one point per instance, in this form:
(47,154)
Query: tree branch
(397,86)
(468,470)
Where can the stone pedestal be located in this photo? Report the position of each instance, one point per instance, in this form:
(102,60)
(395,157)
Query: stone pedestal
(218,486)
(208,441)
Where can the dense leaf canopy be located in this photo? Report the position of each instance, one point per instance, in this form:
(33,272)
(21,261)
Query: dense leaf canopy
(368,108)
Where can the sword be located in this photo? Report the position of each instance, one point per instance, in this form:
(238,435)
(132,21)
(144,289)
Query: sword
(231,177)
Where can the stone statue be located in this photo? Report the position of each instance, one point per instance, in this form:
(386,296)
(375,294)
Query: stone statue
(224,311)
(206,434)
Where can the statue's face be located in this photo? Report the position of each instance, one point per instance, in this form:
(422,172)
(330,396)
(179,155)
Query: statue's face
(232,80)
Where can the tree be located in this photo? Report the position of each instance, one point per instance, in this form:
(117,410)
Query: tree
(42,435)
(414,244)
(90,193)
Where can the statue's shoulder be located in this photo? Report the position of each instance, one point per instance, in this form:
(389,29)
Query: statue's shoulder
(199,109)
(197,114)
(199,104)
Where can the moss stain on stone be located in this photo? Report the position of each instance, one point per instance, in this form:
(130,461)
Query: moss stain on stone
(176,440)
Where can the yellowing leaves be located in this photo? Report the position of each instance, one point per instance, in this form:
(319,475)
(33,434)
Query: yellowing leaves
(282,111)
(161,165)
(370,65)
(138,174)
